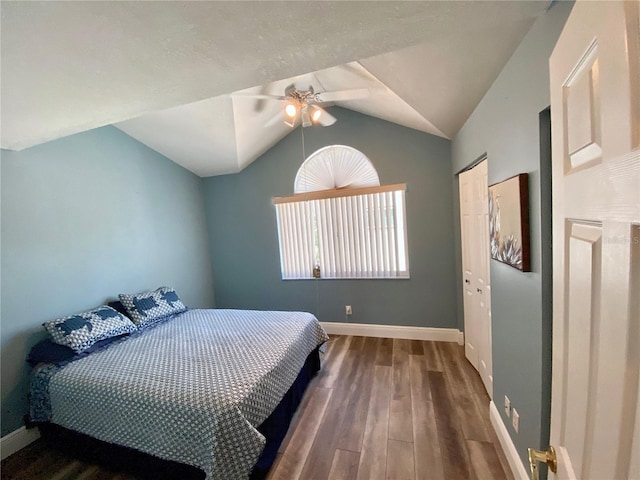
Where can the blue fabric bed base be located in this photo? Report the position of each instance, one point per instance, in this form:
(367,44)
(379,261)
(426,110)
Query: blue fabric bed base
(275,427)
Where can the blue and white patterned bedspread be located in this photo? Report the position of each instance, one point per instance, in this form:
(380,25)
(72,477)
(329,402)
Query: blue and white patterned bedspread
(190,390)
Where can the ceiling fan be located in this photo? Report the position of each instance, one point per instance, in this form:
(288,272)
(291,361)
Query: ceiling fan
(306,105)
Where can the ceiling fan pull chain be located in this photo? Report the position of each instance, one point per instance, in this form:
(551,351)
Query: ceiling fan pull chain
(304,156)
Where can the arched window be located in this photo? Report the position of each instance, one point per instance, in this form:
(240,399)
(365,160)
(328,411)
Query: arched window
(341,223)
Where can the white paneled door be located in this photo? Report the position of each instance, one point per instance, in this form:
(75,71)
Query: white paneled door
(474,221)
(595,112)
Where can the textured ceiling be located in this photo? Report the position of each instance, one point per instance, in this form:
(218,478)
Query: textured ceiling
(165,72)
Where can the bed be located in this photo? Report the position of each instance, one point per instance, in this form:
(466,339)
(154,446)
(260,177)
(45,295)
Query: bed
(196,388)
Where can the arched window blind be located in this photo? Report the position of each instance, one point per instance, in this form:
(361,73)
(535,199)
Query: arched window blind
(335,167)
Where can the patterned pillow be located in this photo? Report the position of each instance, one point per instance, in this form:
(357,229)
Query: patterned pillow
(82,330)
(145,308)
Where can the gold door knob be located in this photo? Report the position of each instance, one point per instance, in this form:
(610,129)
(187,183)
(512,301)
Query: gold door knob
(548,457)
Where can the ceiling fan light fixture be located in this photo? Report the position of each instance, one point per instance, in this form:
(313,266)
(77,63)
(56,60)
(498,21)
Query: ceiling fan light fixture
(316,113)
(291,110)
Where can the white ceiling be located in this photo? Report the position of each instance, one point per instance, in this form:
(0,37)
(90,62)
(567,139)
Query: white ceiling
(165,72)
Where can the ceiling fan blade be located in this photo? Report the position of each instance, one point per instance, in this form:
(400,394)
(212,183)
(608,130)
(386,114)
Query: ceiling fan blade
(260,96)
(290,89)
(341,95)
(326,119)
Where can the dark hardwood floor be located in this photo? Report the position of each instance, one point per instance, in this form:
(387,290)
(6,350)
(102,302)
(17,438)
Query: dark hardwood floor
(378,409)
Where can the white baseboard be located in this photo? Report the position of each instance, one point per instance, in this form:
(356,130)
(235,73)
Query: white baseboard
(517,467)
(460,338)
(17,440)
(392,331)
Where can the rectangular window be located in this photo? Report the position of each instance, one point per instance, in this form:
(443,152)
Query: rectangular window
(354,233)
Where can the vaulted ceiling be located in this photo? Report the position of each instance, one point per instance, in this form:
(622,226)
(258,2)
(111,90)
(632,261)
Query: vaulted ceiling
(170,74)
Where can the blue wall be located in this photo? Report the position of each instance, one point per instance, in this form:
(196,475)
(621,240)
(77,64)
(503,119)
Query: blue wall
(83,219)
(244,240)
(506,126)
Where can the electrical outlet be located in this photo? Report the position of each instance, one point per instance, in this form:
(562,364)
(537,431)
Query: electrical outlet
(347,309)
(515,420)
(507,406)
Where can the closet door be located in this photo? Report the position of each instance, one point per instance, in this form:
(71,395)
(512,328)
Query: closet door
(474,221)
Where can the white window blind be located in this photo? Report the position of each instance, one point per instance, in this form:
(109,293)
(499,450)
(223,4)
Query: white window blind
(355,233)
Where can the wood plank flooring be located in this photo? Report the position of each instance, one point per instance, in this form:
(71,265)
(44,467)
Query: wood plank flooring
(380,409)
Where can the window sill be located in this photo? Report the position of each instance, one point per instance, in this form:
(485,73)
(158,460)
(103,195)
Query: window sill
(403,277)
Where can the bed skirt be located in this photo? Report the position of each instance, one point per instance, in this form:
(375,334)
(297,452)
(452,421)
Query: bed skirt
(275,427)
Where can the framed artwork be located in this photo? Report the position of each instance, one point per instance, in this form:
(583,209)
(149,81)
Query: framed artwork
(509,222)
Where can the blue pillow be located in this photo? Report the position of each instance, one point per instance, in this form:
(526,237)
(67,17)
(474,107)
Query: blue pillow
(145,308)
(80,331)
(46,351)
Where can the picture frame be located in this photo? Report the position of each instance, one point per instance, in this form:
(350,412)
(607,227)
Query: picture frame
(509,222)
